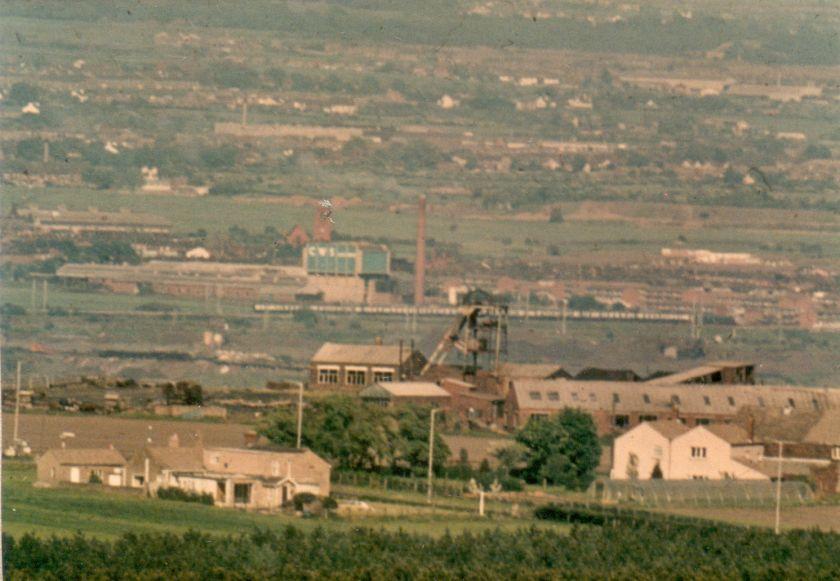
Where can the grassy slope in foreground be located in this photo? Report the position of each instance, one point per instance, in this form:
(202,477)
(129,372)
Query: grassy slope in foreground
(108,513)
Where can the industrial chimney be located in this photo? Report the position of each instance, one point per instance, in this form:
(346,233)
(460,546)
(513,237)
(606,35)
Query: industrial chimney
(420,260)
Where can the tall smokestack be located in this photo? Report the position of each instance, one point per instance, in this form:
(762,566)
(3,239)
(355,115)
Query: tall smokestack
(420,260)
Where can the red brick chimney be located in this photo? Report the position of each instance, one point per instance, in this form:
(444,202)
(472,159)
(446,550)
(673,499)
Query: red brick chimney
(420,260)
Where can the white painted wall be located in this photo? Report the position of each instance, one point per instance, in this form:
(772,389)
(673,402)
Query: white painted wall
(648,445)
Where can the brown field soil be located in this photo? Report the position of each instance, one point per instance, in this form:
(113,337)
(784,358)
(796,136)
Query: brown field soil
(825,518)
(42,431)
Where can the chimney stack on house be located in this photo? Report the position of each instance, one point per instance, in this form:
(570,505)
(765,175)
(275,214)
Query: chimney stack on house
(420,260)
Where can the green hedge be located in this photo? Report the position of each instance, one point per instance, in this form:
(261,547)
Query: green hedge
(185,496)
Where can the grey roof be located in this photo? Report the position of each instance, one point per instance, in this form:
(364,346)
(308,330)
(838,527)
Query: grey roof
(361,354)
(177,458)
(627,397)
(87,456)
(731,433)
(392,389)
(826,430)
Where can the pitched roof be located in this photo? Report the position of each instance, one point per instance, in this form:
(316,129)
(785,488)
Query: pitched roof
(87,456)
(362,354)
(177,458)
(698,372)
(668,428)
(827,429)
(404,389)
(731,433)
(533,370)
(629,397)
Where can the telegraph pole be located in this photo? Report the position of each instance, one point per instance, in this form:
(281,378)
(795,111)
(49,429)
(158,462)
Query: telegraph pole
(431,452)
(299,413)
(779,489)
(17,407)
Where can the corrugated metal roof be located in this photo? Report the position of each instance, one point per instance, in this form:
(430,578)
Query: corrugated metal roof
(361,354)
(87,456)
(624,397)
(405,389)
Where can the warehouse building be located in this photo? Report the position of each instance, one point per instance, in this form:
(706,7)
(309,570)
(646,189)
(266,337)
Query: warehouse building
(351,366)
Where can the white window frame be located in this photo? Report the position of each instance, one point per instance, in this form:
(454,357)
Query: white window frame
(381,371)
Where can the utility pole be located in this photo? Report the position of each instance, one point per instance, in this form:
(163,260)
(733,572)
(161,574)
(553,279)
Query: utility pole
(431,452)
(299,413)
(779,489)
(32,299)
(498,349)
(45,295)
(17,407)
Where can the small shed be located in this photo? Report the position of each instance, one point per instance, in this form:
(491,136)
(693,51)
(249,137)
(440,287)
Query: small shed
(391,393)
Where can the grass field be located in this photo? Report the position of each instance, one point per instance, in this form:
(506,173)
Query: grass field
(108,513)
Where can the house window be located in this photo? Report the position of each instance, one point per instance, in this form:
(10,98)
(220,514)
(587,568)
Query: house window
(616,399)
(383,376)
(621,421)
(657,451)
(648,418)
(592,396)
(675,400)
(535,395)
(356,377)
(731,400)
(698,452)
(275,468)
(646,398)
(816,404)
(327,375)
(553,396)
(242,493)
(538,417)
(702,422)
(791,403)
(574,396)
(52,473)
(835,453)
(706,400)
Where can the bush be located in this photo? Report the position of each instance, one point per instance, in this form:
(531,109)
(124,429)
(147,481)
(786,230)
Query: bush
(94,478)
(329,503)
(302,499)
(171,493)
(11,309)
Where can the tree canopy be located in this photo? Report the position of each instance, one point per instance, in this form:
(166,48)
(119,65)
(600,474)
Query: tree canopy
(562,449)
(361,436)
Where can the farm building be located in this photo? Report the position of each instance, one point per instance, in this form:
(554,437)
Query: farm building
(82,465)
(669,450)
(353,366)
(620,405)
(393,393)
(252,478)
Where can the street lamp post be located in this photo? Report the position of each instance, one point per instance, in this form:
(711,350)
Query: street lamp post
(431,452)
(779,489)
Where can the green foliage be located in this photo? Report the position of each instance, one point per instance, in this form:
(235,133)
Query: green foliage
(361,436)
(556,216)
(182,392)
(303,499)
(172,493)
(11,310)
(94,478)
(585,303)
(22,93)
(641,548)
(817,151)
(562,449)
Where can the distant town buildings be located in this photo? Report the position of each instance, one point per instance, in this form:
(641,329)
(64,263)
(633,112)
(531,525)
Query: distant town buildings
(93,220)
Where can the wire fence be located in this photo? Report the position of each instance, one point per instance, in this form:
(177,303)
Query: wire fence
(440,486)
(701,493)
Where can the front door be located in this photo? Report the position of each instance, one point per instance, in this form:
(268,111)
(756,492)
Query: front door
(75,474)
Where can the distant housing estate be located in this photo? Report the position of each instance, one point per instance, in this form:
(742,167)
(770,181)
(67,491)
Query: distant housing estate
(93,220)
